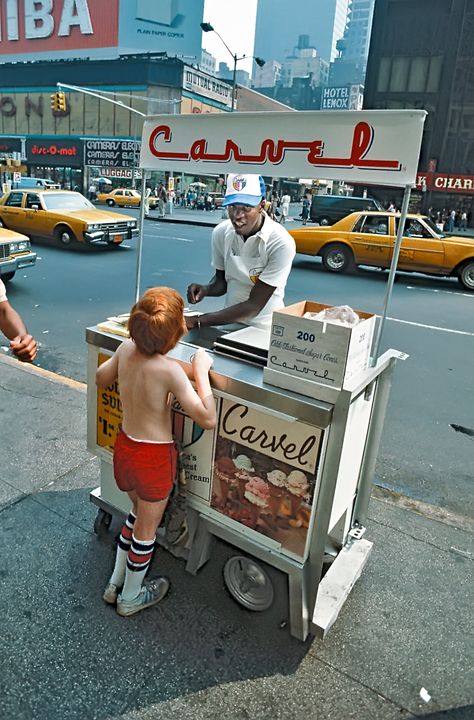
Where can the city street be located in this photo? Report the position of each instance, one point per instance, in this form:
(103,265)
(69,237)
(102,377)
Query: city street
(431,319)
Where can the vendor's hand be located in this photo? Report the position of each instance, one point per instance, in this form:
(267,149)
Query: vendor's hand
(191,321)
(202,361)
(24,347)
(196,293)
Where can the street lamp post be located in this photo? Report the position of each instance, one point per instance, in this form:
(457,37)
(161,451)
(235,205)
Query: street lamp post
(207,27)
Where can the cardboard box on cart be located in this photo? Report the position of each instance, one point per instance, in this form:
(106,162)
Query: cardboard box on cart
(315,351)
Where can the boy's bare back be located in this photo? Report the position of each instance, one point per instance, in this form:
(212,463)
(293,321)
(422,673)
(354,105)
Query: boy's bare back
(146,382)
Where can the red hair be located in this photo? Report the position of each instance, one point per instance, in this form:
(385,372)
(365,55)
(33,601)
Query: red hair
(157,321)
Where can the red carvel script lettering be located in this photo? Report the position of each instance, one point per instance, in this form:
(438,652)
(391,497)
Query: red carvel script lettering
(274,151)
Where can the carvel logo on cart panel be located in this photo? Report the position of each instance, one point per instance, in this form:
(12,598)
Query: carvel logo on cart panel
(31,26)
(66,153)
(294,443)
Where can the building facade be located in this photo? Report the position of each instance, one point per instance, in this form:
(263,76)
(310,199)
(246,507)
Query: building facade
(92,135)
(422,56)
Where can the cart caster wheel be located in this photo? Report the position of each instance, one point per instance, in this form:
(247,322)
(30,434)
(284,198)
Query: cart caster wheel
(102,521)
(248,583)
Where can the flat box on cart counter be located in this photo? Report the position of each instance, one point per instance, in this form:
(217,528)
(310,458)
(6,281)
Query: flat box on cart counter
(316,351)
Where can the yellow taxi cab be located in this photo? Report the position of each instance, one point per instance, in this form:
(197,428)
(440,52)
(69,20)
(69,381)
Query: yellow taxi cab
(368,238)
(65,216)
(124,197)
(15,253)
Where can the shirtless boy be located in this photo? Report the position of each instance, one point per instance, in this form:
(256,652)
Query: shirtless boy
(144,454)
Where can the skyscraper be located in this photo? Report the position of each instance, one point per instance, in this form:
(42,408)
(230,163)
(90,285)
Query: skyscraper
(350,66)
(279,24)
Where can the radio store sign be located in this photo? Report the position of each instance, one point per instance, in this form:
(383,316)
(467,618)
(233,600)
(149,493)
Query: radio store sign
(55,153)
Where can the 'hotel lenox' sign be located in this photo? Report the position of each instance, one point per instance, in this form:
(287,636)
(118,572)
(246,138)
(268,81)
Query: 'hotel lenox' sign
(379,146)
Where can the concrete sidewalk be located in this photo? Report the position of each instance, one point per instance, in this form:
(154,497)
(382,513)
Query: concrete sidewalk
(66,655)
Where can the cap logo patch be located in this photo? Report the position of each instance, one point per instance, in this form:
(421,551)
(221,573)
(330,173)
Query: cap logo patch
(238,183)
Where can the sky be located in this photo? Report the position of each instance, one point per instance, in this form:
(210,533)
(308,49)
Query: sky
(236,23)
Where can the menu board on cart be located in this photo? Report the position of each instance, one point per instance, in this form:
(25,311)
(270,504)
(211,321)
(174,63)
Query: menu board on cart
(264,474)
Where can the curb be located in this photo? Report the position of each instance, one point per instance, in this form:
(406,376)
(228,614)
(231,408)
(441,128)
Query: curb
(45,374)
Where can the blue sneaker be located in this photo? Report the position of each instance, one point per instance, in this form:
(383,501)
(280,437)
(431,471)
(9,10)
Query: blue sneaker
(150,594)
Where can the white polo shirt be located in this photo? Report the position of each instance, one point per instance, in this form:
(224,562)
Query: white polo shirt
(267,255)
(3,292)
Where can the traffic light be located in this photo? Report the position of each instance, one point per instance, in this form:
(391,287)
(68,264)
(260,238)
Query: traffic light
(58,102)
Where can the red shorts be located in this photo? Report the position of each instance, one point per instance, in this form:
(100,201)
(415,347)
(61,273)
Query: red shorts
(146,467)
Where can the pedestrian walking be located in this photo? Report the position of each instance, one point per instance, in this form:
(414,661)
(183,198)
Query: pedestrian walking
(144,452)
(285,208)
(162,200)
(463,221)
(305,210)
(450,223)
(147,200)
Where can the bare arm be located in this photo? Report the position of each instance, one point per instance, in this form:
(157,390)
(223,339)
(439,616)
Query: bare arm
(22,344)
(216,288)
(200,406)
(107,373)
(258,298)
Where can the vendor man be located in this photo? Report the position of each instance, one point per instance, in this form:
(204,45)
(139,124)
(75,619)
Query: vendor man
(251,256)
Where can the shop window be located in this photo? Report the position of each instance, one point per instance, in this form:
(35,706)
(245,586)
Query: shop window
(399,75)
(384,74)
(418,79)
(434,74)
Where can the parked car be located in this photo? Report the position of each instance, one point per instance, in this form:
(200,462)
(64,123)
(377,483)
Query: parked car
(368,238)
(15,253)
(217,199)
(63,215)
(26,183)
(328,209)
(124,197)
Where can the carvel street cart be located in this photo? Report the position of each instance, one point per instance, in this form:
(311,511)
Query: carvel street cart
(285,476)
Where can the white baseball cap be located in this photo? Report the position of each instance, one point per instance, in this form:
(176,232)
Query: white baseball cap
(245,189)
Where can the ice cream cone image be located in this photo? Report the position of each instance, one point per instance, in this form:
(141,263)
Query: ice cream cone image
(242,477)
(243,472)
(276,485)
(257,495)
(224,472)
(297,486)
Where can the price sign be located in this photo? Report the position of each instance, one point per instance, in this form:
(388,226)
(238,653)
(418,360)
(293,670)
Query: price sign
(109,412)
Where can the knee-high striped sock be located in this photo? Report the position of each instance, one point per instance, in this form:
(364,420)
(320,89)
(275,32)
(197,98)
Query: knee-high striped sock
(123,546)
(139,558)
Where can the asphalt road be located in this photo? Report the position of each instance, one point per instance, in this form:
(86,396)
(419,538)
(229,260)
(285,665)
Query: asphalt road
(431,319)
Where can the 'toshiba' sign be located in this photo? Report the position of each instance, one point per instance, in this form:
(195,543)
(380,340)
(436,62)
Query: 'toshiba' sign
(380,146)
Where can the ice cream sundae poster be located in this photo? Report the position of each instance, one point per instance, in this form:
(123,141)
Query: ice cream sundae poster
(264,475)
(197,446)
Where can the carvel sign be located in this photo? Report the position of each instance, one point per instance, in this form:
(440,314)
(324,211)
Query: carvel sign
(380,146)
(31,26)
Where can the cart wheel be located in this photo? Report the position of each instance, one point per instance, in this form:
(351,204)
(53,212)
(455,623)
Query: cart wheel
(248,583)
(102,521)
